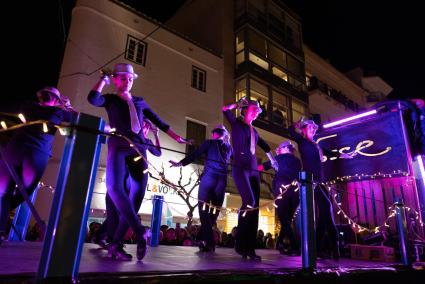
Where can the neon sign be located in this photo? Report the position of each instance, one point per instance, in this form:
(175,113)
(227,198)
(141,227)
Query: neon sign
(359,148)
(378,142)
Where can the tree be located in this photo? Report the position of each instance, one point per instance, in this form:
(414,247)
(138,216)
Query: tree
(185,190)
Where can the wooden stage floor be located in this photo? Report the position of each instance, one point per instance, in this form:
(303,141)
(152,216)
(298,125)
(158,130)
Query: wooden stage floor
(19,263)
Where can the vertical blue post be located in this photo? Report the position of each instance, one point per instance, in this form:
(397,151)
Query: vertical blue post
(402,231)
(66,231)
(157,201)
(308,234)
(22,219)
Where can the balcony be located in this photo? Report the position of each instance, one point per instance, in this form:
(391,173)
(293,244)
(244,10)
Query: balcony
(254,69)
(316,84)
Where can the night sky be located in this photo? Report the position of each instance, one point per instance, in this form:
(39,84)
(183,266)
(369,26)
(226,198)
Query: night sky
(380,36)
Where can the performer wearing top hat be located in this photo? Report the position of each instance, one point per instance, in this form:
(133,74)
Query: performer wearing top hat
(213,181)
(303,133)
(289,168)
(29,149)
(125,112)
(245,173)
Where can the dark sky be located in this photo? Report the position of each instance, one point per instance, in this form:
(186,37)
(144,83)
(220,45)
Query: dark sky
(380,36)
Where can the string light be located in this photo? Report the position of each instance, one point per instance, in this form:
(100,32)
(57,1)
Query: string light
(137,158)
(22,118)
(62,131)
(45,129)
(3,124)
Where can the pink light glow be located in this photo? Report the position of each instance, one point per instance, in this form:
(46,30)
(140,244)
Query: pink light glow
(421,168)
(341,121)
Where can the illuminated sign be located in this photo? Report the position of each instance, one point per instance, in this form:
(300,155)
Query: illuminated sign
(378,142)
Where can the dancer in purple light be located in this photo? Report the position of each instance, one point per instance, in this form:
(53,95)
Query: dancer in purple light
(29,149)
(125,113)
(245,173)
(213,181)
(303,133)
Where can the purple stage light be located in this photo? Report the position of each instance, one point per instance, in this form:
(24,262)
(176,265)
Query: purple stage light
(341,121)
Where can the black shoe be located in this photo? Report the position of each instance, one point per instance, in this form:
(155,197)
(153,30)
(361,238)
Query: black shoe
(204,248)
(251,256)
(116,251)
(103,244)
(141,249)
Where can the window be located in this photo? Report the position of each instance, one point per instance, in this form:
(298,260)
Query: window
(199,78)
(259,93)
(135,50)
(280,73)
(259,61)
(240,46)
(277,55)
(257,43)
(298,110)
(280,109)
(295,66)
(197,132)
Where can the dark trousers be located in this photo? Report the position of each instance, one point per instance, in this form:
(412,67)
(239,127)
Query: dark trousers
(211,189)
(29,164)
(248,184)
(285,211)
(325,224)
(136,194)
(120,165)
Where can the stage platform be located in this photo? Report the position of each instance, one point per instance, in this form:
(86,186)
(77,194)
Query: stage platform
(177,264)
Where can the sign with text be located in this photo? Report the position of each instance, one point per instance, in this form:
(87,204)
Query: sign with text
(378,142)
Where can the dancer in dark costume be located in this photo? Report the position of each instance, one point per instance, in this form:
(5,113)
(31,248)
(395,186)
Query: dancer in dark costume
(289,168)
(245,173)
(29,149)
(303,133)
(125,113)
(213,181)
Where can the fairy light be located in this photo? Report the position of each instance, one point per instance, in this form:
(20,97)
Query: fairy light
(214,210)
(137,158)
(204,206)
(268,209)
(3,124)
(22,118)
(62,131)
(275,205)
(244,214)
(45,129)
(145,171)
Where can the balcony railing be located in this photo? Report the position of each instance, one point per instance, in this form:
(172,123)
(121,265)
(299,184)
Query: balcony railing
(316,84)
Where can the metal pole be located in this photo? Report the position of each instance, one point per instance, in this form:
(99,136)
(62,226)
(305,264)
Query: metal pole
(308,238)
(157,201)
(22,219)
(66,231)
(402,231)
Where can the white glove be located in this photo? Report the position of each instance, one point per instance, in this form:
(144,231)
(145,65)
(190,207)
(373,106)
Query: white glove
(273,161)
